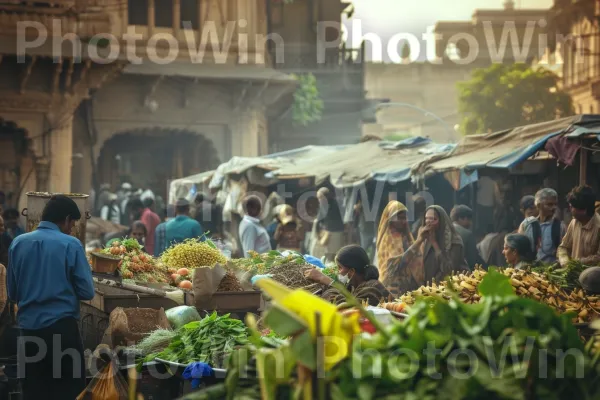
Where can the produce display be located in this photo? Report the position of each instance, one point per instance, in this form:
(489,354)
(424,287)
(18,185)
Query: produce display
(566,278)
(209,341)
(155,342)
(137,265)
(503,347)
(525,283)
(288,270)
(230,283)
(193,253)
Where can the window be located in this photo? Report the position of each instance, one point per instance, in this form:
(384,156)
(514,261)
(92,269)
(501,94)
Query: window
(190,13)
(163,13)
(138,12)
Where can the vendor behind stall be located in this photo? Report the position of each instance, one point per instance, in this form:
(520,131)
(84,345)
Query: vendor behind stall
(48,274)
(518,251)
(356,272)
(582,240)
(138,231)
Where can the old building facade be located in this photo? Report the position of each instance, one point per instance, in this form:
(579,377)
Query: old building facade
(306,26)
(93,91)
(164,120)
(579,50)
(426,93)
(42,81)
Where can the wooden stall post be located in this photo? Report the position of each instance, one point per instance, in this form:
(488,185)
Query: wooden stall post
(583,158)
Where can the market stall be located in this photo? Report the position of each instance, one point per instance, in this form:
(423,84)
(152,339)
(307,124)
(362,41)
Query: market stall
(505,346)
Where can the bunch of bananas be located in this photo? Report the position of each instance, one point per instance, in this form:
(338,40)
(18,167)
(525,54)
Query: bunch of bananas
(526,284)
(192,253)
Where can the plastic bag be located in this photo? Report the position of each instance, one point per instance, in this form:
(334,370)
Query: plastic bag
(257,277)
(195,372)
(108,384)
(182,315)
(314,261)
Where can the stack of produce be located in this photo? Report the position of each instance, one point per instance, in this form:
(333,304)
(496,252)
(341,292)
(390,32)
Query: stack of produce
(209,340)
(525,283)
(230,283)
(504,347)
(191,254)
(137,265)
(288,270)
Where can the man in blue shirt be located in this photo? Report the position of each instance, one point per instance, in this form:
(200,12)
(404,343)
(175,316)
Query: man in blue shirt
(182,227)
(48,274)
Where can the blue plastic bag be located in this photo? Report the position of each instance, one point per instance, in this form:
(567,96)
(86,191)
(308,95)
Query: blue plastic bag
(195,372)
(314,261)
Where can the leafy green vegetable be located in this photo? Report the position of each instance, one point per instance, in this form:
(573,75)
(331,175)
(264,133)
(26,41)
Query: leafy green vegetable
(208,340)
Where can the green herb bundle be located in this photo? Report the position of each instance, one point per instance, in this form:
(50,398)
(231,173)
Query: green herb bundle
(155,342)
(209,340)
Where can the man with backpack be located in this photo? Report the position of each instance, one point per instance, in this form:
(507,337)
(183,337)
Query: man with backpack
(545,230)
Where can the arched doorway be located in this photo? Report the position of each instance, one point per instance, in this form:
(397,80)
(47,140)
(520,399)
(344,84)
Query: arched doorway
(17,164)
(150,158)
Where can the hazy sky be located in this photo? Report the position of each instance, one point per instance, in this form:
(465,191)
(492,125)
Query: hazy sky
(389,17)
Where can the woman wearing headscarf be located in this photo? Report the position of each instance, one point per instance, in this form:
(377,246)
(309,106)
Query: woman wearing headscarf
(356,273)
(518,251)
(393,238)
(437,251)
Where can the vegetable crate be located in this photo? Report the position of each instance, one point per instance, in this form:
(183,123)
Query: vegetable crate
(229,302)
(93,324)
(108,298)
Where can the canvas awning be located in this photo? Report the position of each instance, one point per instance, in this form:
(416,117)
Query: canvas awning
(504,149)
(378,160)
(271,162)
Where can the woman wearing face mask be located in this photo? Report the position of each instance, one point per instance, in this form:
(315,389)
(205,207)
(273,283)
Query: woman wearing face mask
(518,251)
(356,273)
(437,251)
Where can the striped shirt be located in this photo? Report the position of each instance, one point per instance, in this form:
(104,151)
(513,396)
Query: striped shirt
(581,242)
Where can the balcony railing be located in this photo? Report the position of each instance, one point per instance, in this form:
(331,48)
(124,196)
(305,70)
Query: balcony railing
(299,58)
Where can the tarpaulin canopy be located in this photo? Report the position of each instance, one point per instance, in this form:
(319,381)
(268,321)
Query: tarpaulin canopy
(188,187)
(504,149)
(379,160)
(240,165)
